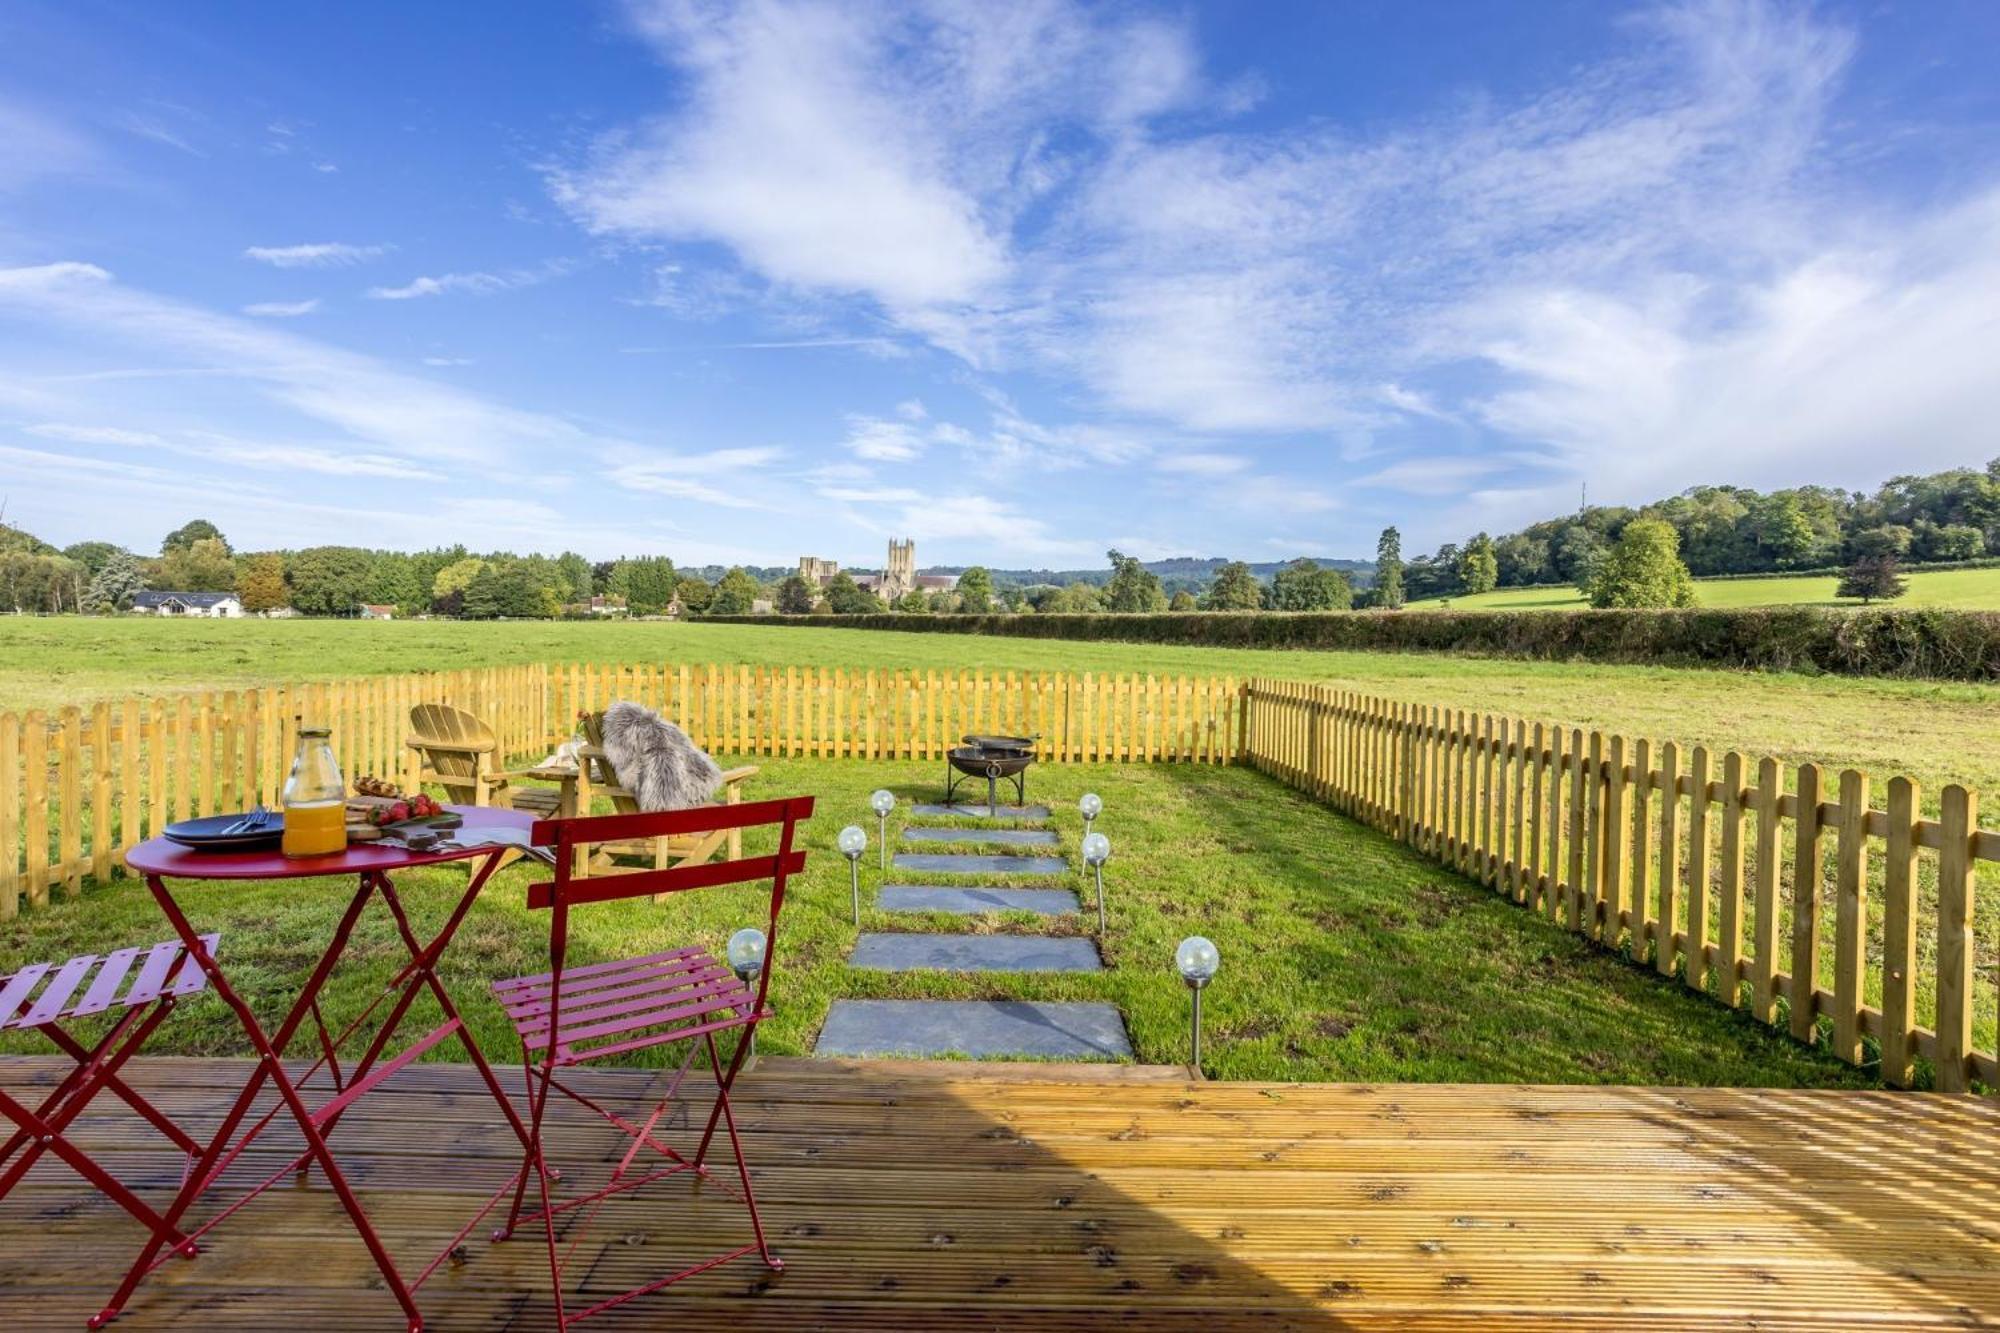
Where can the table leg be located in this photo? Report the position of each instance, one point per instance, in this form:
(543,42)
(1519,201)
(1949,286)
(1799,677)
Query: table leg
(268,1067)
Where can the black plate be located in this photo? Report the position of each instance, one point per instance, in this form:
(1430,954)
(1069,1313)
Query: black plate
(207,833)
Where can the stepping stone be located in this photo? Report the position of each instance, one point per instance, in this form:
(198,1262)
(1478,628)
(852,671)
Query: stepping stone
(971,902)
(1061,1031)
(1016,837)
(984,812)
(936,863)
(975,953)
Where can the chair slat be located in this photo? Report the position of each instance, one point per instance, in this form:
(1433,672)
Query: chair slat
(55,995)
(541,979)
(105,984)
(674,990)
(152,978)
(190,978)
(713,998)
(15,993)
(676,879)
(662,823)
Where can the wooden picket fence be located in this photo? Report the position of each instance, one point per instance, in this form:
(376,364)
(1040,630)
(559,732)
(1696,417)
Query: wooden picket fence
(1707,866)
(80,788)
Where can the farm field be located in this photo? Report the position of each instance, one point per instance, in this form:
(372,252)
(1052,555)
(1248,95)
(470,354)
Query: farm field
(1346,956)
(1961,589)
(1937,732)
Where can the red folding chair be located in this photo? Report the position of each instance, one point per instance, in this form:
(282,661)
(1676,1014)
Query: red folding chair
(569,1016)
(42,997)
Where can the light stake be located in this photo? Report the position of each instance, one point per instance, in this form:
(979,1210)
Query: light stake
(1092,805)
(853,842)
(746,959)
(1096,851)
(882,802)
(1196,960)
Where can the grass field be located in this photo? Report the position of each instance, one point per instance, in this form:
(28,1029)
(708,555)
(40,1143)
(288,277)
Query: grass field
(1345,956)
(1935,731)
(1964,589)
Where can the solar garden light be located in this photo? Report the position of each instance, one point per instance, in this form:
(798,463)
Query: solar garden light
(853,842)
(746,960)
(1196,960)
(1092,805)
(882,802)
(1096,851)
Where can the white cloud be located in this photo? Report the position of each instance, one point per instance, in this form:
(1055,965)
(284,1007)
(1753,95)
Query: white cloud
(881,440)
(716,477)
(474,284)
(319,254)
(75,434)
(1446,475)
(281,309)
(41,146)
(1201,464)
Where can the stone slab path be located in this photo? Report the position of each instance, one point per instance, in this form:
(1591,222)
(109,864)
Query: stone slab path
(936,863)
(1066,1030)
(943,898)
(1028,813)
(1009,837)
(976,953)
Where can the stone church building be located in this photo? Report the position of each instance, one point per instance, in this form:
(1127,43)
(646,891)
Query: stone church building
(898,578)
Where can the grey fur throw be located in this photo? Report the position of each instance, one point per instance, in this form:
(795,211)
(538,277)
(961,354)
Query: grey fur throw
(655,760)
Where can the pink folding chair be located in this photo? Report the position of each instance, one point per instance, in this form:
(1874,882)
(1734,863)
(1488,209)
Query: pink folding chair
(144,985)
(569,1016)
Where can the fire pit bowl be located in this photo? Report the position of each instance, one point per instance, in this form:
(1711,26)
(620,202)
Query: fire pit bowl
(993,758)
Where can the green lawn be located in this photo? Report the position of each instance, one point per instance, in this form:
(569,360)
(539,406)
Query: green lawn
(1937,732)
(1965,589)
(1345,956)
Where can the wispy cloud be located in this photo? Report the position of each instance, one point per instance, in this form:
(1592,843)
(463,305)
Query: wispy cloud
(319,254)
(473,284)
(281,309)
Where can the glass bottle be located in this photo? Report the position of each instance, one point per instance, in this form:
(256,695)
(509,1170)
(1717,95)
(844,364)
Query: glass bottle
(315,798)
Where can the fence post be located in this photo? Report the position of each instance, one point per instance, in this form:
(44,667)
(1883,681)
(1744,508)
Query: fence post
(1899,933)
(1764,925)
(1958,820)
(1850,924)
(1806,870)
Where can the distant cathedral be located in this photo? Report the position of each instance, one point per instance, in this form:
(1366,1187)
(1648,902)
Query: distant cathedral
(897,580)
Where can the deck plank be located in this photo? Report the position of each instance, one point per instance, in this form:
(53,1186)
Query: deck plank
(922,1195)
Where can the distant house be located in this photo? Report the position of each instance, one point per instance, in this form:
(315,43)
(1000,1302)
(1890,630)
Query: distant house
(762,606)
(212,605)
(601,605)
(375,611)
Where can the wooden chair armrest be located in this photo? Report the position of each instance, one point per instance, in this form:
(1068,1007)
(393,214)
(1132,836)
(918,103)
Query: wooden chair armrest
(731,776)
(543,774)
(449,747)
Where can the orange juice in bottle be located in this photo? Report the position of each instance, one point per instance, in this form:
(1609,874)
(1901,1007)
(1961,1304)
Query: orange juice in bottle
(315,798)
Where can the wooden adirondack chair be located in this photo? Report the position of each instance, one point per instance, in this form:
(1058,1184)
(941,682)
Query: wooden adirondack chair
(595,777)
(458,752)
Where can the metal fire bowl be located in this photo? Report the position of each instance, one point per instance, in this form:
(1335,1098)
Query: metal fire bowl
(1014,744)
(991,763)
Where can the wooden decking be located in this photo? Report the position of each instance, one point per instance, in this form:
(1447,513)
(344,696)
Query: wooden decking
(942,1196)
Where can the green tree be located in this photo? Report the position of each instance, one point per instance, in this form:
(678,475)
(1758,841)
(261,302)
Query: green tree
(260,583)
(1874,577)
(1957,541)
(330,580)
(914,603)
(1478,567)
(796,596)
(975,591)
(1078,599)
(646,582)
(93,556)
(694,593)
(513,590)
(449,585)
(394,580)
(848,598)
(1183,600)
(1234,589)
(1303,585)
(1389,569)
(114,584)
(187,534)
(1644,569)
(1133,588)
(1782,531)
(203,566)
(734,594)
(578,583)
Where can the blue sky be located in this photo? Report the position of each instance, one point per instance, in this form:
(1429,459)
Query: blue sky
(741,282)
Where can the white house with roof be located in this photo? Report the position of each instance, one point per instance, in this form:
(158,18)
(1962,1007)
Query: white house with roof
(209,605)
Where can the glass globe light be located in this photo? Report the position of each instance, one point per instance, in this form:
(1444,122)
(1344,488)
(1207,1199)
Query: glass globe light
(853,841)
(746,951)
(882,802)
(1092,805)
(1197,959)
(1096,849)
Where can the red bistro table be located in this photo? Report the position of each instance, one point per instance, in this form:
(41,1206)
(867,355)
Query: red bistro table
(163,862)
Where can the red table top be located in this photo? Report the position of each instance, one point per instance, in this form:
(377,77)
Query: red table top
(158,856)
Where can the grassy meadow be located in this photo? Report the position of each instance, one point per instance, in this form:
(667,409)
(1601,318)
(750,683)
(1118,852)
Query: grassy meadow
(1344,955)
(1962,589)
(1935,731)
